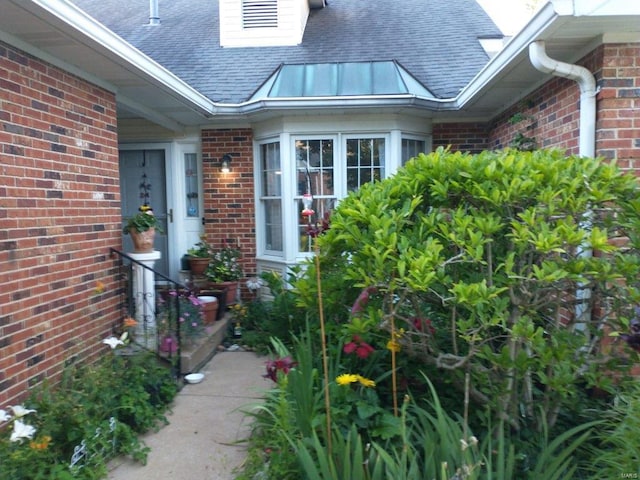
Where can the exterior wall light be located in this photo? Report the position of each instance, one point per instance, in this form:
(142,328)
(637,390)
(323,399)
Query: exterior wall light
(225,163)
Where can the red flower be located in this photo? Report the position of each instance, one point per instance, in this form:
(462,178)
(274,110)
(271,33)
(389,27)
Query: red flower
(283,365)
(361,349)
(423,325)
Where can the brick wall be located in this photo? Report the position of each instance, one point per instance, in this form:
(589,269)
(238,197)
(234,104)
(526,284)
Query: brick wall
(618,122)
(229,209)
(551,114)
(465,137)
(59,213)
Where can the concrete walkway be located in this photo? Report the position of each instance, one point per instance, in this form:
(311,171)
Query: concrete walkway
(206,424)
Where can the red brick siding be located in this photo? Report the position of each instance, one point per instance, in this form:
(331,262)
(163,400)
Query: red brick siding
(59,213)
(551,113)
(465,137)
(618,122)
(229,197)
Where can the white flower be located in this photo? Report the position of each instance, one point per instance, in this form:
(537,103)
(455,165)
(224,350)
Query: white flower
(113,342)
(21,430)
(254,283)
(4,416)
(20,411)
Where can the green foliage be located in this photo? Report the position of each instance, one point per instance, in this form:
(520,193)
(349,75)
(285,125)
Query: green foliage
(202,249)
(279,317)
(492,249)
(134,390)
(225,265)
(617,451)
(142,221)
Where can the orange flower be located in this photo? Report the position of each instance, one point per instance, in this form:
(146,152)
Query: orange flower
(42,445)
(129,322)
(99,287)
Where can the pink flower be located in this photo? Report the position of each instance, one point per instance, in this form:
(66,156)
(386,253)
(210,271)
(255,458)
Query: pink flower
(362,349)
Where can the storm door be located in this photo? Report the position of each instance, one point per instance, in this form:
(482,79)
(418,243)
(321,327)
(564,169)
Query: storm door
(143,181)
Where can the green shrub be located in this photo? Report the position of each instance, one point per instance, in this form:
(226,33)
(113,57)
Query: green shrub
(118,396)
(489,249)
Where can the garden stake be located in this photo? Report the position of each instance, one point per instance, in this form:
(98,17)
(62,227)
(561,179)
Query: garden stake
(394,384)
(325,363)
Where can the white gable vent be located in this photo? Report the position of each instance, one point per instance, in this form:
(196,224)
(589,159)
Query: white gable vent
(260,13)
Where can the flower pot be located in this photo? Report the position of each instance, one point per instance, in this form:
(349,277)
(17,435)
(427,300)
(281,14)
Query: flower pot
(231,289)
(209,309)
(143,241)
(198,265)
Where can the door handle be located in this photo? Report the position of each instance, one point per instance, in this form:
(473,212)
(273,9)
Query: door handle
(170,215)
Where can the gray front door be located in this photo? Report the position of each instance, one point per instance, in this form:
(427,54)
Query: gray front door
(143,180)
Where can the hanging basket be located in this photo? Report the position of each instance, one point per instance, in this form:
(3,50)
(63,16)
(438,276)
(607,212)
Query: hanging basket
(143,241)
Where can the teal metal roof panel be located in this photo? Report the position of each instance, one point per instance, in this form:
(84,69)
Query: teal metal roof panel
(343,79)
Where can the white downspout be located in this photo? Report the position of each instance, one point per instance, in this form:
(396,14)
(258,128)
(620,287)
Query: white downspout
(587,140)
(587,83)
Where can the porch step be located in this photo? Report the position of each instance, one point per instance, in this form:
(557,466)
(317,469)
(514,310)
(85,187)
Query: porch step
(195,356)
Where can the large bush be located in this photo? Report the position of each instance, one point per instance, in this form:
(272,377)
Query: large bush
(506,270)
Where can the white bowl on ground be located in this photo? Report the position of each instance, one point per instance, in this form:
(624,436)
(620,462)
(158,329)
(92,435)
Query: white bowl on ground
(194,377)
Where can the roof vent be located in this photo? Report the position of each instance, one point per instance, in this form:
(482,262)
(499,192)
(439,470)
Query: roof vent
(154,15)
(260,13)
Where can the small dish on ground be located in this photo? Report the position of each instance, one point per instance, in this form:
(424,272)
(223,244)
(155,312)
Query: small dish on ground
(194,377)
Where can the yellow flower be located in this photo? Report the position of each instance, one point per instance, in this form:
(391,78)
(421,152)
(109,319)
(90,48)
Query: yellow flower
(365,382)
(346,379)
(394,346)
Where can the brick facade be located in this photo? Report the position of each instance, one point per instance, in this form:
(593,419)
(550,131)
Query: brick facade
(466,137)
(551,113)
(59,214)
(229,208)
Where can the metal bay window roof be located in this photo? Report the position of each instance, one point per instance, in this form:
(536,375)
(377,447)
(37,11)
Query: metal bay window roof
(341,79)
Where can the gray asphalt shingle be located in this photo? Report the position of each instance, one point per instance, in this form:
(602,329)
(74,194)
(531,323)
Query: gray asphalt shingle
(435,40)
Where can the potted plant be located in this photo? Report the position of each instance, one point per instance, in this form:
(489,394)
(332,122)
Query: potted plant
(225,271)
(199,256)
(142,227)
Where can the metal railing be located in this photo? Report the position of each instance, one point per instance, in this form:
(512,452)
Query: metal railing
(156,303)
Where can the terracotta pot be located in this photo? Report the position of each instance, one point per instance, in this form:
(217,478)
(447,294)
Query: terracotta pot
(143,241)
(209,309)
(198,265)
(231,289)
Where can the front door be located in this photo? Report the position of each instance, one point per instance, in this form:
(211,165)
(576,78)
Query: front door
(143,181)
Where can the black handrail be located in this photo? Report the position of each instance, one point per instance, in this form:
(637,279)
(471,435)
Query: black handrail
(133,300)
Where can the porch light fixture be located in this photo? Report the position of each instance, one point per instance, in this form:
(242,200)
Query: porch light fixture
(225,163)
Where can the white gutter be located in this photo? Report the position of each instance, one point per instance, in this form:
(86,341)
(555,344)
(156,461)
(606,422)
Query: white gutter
(587,131)
(121,51)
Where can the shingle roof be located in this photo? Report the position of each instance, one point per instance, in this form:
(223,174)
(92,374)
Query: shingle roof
(435,40)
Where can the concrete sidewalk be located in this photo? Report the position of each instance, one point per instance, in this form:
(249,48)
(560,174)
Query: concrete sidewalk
(207,422)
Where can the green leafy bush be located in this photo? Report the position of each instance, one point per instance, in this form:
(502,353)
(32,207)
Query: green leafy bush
(119,396)
(504,254)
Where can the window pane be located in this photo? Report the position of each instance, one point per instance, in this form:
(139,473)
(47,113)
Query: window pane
(365,161)
(322,208)
(271,171)
(270,196)
(273,225)
(411,148)
(314,167)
